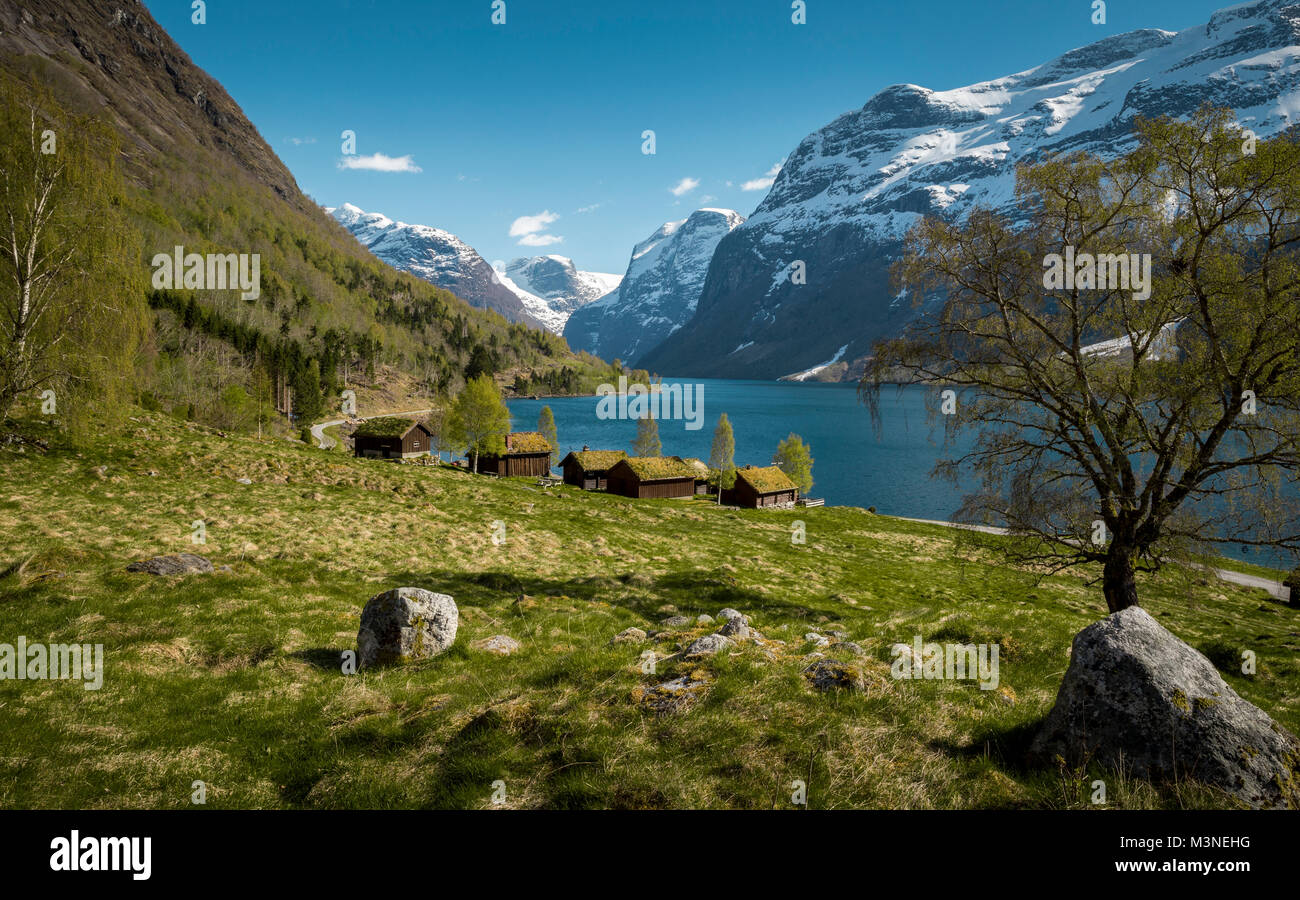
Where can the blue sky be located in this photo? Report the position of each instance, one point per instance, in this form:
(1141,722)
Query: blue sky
(537,123)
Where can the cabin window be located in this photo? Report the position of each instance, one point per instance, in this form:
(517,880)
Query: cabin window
(415,444)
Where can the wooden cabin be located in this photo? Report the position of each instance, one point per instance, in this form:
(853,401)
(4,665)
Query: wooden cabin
(391,437)
(528,453)
(701,473)
(589,469)
(761,488)
(652,476)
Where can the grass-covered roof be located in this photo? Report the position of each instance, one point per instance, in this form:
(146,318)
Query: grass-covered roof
(766,480)
(385,427)
(701,468)
(597,460)
(659,468)
(527,442)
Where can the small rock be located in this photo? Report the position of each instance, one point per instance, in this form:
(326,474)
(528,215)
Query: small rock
(244,480)
(831,674)
(706,646)
(850,647)
(728,613)
(704,619)
(405,624)
(736,627)
(500,644)
(675,621)
(172,564)
(673,696)
(629,636)
(816,639)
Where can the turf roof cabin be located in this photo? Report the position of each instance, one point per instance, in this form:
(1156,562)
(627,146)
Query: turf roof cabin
(764,487)
(701,473)
(589,469)
(528,453)
(391,438)
(652,476)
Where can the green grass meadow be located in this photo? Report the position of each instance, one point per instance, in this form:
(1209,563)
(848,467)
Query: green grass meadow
(234,678)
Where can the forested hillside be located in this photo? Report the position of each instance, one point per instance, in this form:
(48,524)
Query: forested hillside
(196,174)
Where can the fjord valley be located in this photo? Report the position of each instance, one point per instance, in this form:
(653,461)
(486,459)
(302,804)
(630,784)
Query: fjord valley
(530,491)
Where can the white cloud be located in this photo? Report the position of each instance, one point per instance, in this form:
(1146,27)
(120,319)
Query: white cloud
(707,197)
(762,184)
(378,162)
(539,240)
(298,142)
(532,224)
(587,209)
(685,186)
(529,229)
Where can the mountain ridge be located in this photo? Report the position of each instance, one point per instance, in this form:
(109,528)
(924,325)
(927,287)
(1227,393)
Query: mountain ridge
(659,290)
(848,192)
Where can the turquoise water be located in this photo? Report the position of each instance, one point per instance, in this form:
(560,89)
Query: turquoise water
(853,466)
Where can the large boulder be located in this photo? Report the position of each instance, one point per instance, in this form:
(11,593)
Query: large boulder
(405,624)
(1138,698)
(172,564)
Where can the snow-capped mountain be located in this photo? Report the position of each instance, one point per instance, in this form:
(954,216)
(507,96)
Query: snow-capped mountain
(848,193)
(551,287)
(438,257)
(541,291)
(658,293)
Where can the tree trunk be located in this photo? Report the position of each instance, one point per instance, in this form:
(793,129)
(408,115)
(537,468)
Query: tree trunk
(475,462)
(1117,581)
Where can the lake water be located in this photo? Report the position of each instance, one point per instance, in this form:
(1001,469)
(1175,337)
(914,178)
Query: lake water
(852,466)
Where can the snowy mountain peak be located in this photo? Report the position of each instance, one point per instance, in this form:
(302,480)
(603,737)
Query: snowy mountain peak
(848,192)
(554,288)
(659,291)
(437,256)
(541,291)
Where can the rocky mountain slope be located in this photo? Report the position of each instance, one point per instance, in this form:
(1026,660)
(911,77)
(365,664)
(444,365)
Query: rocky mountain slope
(553,288)
(847,194)
(116,58)
(659,292)
(199,174)
(437,256)
(540,291)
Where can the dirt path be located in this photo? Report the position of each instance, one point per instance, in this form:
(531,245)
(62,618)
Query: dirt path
(325,442)
(1275,588)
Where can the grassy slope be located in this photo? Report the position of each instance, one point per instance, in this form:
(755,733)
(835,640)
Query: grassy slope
(233,678)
